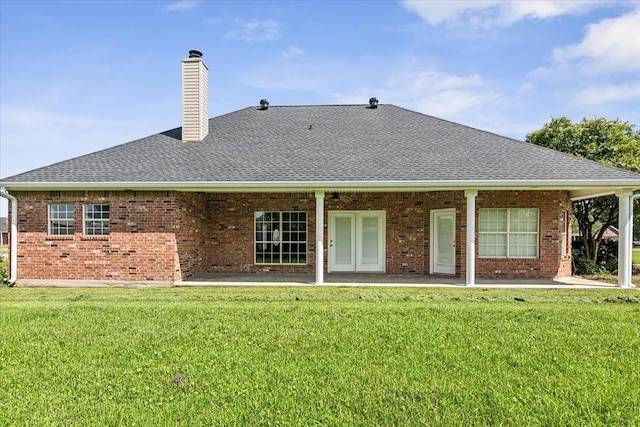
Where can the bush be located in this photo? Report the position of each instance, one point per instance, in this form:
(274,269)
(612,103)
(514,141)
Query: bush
(3,271)
(581,265)
(607,261)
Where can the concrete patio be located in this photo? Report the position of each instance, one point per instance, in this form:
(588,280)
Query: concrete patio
(385,280)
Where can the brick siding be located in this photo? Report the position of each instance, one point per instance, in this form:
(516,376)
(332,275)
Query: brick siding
(168,236)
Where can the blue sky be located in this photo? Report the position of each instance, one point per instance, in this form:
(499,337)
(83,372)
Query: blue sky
(77,77)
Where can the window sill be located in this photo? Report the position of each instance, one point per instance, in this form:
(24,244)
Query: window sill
(94,238)
(70,237)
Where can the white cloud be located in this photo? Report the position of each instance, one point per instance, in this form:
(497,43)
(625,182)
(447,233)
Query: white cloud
(431,92)
(608,93)
(490,13)
(181,5)
(255,30)
(609,45)
(292,51)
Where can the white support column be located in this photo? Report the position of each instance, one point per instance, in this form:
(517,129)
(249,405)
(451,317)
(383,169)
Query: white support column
(471,236)
(625,222)
(319,237)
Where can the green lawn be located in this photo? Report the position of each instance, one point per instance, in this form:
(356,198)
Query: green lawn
(319,356)
(636,256)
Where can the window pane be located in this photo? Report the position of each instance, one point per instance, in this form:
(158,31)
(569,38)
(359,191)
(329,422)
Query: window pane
(370,240)
(96,220)
(343,241)
(276,237)
(61,220)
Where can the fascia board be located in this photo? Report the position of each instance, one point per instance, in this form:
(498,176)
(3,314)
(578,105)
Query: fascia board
(585,186)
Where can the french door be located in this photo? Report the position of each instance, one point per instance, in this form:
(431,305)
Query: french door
(357,241)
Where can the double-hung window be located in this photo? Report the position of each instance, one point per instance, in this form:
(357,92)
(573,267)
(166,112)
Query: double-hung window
(280,237)
(96,220)
(508,233)
(61,219)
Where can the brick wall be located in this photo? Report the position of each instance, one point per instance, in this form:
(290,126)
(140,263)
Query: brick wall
(167,236)
(550,263)
(230,246)
(192,230)
(141,245)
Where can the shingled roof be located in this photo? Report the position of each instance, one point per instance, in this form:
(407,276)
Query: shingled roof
(325,144)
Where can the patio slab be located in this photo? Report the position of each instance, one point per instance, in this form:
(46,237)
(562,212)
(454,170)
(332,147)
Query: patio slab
(385,280)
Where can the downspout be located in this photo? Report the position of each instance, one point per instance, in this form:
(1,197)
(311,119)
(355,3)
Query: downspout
(13,244)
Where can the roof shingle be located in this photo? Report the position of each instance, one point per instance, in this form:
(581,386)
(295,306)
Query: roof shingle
(334,143)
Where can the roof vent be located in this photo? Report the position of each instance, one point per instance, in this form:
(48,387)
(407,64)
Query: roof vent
(195,54)
(264,104)
(373,102)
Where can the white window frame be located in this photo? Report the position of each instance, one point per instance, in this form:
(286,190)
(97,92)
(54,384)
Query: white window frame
(281,242)
(509,233)
(101,221)
(59,219)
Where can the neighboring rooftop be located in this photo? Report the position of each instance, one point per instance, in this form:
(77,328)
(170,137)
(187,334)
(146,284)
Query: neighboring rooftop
(330,143)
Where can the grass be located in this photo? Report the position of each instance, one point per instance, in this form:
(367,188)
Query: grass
(636,256)
(319,356)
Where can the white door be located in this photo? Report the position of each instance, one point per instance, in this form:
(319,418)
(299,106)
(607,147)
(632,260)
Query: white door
(342,241)
(357,241)
(443,241)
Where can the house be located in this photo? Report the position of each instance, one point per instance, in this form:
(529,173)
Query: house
(314,189)
(4,231)
(611,233)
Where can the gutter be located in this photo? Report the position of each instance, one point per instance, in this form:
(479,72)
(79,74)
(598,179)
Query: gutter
(13,244)
(605,186)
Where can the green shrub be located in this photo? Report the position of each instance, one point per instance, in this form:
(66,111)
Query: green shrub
(3,269)
(581,265)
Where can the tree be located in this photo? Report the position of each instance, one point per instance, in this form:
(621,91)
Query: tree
(611,142)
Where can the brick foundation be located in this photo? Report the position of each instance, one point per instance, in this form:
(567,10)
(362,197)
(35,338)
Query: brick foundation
(169,236)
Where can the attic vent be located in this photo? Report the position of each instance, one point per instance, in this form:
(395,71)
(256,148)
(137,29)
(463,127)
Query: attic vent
(373,102)
(264,104)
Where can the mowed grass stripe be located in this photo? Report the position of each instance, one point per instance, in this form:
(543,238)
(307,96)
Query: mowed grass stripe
(319,356)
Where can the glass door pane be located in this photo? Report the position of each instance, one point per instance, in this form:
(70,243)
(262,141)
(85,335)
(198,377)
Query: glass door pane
(370,240)
(445,240)
(342,241)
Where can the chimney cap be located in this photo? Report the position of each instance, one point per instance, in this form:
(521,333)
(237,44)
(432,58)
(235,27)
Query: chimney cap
(195,54)
(264,104)
(373,102)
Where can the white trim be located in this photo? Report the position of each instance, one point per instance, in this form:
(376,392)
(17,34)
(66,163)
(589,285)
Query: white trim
(599,187)
(356,216)
(49,205)
(508,233)
(279,232)
(102,220)
(332,265)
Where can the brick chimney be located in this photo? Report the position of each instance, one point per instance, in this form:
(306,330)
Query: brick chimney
(195,94)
